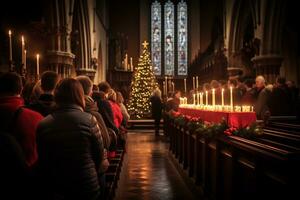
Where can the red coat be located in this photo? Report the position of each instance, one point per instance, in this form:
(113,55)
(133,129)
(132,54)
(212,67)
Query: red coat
(118,117)
(25,126)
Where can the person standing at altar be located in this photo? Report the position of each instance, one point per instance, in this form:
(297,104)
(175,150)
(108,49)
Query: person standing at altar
(156,108)
(263,95)
(249,97)
(173,103)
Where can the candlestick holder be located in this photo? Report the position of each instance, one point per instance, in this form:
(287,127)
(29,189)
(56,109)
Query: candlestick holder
(12,67)
(37,77)
(23,71)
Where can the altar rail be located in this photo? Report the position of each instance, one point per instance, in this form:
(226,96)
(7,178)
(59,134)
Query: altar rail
(236,168)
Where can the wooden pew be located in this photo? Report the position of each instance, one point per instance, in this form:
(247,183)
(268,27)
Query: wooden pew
(239,168)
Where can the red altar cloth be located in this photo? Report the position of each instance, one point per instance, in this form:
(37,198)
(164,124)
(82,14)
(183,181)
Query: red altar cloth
(234,119)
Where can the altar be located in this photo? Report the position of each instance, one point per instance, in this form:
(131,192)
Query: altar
(233,119)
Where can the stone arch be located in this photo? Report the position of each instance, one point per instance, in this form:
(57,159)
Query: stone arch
(59,20)
(70,37)
(81,28)
(241,37)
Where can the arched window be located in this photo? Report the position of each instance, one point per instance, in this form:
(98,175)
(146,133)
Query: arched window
(182,38)
(170,39)
(156,37)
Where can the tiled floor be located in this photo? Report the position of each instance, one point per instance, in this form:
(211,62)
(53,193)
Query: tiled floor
(147,172)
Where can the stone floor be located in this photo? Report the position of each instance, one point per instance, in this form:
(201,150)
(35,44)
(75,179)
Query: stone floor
(148,172)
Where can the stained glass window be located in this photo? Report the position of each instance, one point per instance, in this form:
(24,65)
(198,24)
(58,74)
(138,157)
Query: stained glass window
(182,38)
(167,43)
(169,38)
(156,37)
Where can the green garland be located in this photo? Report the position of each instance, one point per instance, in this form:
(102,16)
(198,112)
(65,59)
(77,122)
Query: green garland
(212,130)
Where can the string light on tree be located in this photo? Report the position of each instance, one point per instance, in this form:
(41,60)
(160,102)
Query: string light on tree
(142,85)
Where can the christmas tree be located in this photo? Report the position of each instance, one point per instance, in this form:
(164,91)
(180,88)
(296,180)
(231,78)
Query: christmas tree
(142,85)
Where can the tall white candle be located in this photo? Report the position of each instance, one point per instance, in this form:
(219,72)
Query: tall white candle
(25,54)
(197,83)
(222,97)
(231,99)
(201,98)
(184,85)
(131,64)
(166,80)
(213,97)
(10,45)
(23,49)
(173,86)
(194,83)
(206,98)
(37,64)
(198,98)
(194,99)
(126,61)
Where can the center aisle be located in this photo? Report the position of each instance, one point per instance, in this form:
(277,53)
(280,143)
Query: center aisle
(147,172)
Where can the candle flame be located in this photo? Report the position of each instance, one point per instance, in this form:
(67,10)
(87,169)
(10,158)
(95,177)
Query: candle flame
(23,41)
(37,56)
(9,32)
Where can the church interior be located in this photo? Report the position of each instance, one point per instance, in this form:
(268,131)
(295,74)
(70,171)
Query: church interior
(150,99)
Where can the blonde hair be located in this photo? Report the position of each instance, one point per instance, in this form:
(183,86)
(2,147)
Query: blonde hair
(112,95)
(120,98)
(157,92)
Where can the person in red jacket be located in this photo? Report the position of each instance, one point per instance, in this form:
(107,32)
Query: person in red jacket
(118,117)
(24,126)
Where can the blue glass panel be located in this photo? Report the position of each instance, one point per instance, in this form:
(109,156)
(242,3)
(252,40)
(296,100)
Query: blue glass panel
(156,37)
(182,38)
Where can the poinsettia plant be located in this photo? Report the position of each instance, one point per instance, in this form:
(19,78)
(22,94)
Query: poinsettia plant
(249,132)
(194,123)
(212,130)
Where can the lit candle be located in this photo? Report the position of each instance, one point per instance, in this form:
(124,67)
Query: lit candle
(222,97)
(198,98)
(194,83)
(23,49)
(166,80)
(25,53)
(173,86)
(37,64)
(213,97)
(206,98)
(126,61)
(131,64)
(252,109)
(184,85)
(201,98)
(231,99)
(197,82)
(10,46)
(194,99)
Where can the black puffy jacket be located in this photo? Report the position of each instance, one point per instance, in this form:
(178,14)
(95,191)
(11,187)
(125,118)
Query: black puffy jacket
(70,151)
